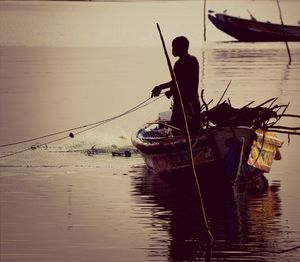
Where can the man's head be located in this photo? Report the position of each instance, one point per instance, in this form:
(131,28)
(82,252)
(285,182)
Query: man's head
(180,46)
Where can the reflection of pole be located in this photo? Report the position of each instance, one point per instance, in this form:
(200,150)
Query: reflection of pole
(203,69)
(282,27)
(204,20)
(191,158)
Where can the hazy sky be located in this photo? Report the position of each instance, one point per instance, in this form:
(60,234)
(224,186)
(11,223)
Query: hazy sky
(124,23)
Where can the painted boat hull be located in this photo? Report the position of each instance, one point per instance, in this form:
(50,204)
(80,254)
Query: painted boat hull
(171,156)
(230,151)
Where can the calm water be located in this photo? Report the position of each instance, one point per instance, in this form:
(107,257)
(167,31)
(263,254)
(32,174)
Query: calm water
(64,65)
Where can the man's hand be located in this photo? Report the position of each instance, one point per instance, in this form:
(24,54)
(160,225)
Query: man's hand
(156,91)
(168,93)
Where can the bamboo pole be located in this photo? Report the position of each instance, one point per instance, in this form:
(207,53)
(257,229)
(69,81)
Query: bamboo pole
(209,237)
(282,27)
(204,20)
(286,127)
(284,132)
(224,92)
(290,115)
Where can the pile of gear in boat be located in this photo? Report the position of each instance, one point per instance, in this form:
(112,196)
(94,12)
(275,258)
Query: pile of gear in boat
(259,117)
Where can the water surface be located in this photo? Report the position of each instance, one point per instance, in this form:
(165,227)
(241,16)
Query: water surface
(64,65)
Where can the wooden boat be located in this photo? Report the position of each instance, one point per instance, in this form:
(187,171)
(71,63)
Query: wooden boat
(251,30)
(239,152)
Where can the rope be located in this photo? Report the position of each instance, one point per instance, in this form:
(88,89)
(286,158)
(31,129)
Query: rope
(87,127)
(75,128)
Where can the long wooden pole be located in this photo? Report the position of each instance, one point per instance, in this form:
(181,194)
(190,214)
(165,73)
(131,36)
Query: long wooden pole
(204,20)
(209,237)
(282,27)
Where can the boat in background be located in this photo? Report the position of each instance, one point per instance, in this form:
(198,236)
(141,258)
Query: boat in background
(238,152)
(251,30)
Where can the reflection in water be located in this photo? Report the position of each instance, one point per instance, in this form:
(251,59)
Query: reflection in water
(249,66)
(240,221)
(70,203)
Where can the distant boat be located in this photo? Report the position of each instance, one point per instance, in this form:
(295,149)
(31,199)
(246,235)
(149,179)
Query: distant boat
(251,30)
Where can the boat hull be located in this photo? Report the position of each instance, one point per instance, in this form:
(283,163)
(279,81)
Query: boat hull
(220,147)
(254,31)
(169,154)
(233,154)
(175,161)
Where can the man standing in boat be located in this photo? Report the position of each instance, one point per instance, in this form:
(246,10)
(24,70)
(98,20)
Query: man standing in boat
(186,70)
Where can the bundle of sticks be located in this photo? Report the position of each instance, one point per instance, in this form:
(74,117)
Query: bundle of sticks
(264,116)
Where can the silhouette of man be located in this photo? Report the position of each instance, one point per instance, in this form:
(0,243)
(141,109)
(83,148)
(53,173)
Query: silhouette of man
(186,71)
